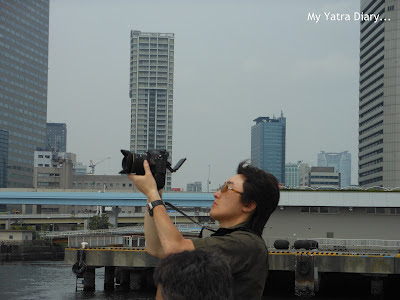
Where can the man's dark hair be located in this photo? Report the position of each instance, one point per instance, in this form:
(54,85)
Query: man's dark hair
(195,275)
(262,188)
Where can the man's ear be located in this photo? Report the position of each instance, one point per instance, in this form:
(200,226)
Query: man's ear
(249,207)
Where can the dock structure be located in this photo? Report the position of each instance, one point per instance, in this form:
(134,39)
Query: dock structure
(131,266)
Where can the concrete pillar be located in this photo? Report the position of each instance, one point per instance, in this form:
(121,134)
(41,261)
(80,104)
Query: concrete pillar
(125,279)
(86,224)
(109,274)
(8,225)
(89,279)
(376,286)
(113,215)
(136,279)
(36,209)
(306,276)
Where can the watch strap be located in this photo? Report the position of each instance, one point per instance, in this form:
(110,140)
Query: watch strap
(151,205)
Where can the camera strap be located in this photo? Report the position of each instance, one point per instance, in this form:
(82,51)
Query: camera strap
(185,215)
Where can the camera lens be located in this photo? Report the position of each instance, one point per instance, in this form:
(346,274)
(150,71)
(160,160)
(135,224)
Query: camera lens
(132,163)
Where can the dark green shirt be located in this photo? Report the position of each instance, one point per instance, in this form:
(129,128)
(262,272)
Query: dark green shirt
(247,255)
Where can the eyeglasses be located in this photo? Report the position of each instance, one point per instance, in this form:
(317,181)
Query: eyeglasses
(224,188)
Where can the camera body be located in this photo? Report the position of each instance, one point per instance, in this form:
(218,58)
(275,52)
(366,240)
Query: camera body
(132,163)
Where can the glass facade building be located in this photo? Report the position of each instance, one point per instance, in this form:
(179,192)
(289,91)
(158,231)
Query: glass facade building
(292,174)
(24,35)
(57,137)
(151,92)
(341,162)
(379,96)
(268,145)
(3,158)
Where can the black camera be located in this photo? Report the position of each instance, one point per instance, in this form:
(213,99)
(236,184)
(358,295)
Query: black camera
(132,163)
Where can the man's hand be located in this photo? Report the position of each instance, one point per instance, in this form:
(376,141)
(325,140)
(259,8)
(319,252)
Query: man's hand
(146,183)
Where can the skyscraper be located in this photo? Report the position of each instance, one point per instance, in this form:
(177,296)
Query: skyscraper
(268,145)
(292,174)
(3,158)
(379,98)
(341,162)
(24,31)
(151,92)
(57,137)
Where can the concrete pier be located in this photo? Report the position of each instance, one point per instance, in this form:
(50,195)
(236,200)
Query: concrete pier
(89,282)
(131,267)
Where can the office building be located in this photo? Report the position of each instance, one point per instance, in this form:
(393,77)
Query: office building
(321,177)
(151,92)
(194,187)
(304,170)
(341,162)
(80,169)
(3,158)
(24,31)
(292,174)
(56,137)
(52,171)
(268,144)
(379,96)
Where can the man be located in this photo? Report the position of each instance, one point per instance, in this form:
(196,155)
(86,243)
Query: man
(193,275)
(242,206)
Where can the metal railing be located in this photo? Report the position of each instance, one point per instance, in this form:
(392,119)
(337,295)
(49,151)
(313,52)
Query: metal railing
(350,244)
(95,241)
(187,228)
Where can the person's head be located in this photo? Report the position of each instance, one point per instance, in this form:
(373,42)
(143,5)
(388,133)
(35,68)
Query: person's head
(251,195)
(194,275)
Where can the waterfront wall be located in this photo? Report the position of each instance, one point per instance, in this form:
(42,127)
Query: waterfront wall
(30,253)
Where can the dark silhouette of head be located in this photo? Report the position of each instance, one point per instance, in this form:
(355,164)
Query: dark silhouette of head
(194,275)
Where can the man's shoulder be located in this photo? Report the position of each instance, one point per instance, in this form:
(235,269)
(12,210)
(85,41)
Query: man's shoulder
(239,238)
(248,237)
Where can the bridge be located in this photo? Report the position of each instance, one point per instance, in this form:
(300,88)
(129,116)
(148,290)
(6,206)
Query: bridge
(288,198)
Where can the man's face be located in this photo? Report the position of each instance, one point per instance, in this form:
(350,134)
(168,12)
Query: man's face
(227,205)
(159,292)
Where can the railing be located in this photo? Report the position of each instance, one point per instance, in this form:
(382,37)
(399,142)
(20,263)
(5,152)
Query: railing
(187,228)
(130,229)
(348,244)
(95,241)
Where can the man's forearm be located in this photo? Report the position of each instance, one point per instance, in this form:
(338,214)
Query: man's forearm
(169,236)
(153,244)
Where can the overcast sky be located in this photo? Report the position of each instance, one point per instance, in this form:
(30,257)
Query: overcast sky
(234,61)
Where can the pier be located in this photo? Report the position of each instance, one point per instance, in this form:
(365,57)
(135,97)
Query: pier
(135,266)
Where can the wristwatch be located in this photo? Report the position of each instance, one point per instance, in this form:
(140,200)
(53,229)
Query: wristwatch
(151,205)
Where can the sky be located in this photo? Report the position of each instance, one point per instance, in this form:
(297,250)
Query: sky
(234,62)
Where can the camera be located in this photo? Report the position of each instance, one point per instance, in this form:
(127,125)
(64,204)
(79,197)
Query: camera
(132,163)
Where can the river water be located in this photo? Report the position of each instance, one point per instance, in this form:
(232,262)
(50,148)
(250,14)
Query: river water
(54,280)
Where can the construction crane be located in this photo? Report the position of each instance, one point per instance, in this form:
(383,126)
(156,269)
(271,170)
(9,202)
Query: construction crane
(92,165)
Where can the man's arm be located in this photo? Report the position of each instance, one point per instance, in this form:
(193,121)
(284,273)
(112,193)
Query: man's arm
(153,244)
(162,237)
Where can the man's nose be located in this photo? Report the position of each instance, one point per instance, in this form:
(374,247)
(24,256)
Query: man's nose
(217,194)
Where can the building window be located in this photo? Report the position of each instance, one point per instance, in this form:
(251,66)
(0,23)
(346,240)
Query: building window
(305,209)
(323,210)
(380,210)
(370,210)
